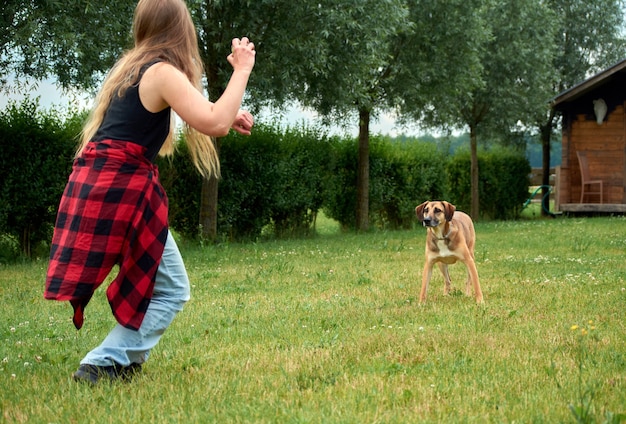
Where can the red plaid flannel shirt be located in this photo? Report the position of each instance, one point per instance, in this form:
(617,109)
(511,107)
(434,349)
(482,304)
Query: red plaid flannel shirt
(113,211)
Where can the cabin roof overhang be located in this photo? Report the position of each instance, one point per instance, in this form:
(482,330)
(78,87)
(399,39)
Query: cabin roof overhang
(587,86)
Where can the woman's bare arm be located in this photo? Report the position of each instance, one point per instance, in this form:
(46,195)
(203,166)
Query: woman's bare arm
(164,85)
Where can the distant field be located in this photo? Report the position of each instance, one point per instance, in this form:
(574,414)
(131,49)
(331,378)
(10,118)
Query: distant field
(328,330)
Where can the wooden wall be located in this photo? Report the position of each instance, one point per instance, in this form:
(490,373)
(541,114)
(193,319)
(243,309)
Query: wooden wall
(606,150)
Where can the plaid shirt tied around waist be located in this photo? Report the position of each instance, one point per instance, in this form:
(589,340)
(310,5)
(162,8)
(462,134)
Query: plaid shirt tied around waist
(113,211)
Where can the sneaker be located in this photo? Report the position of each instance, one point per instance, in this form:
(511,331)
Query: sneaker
(93,373)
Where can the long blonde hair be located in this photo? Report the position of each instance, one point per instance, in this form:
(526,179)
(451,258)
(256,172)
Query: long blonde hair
(162,29)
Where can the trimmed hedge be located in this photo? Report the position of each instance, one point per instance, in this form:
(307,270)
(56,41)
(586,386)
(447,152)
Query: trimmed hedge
(274,183)
(183,185)
(503,182)
(37,150)
(402,175)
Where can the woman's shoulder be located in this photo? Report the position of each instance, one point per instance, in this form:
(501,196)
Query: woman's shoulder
(163,72)
(160,83)
(155,77)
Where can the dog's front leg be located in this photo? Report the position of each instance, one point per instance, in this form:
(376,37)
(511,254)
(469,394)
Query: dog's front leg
(426,274)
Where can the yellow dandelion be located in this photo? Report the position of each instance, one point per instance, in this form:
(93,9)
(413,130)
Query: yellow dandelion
(590,322)
(583,332)
(592,328)
(574,327)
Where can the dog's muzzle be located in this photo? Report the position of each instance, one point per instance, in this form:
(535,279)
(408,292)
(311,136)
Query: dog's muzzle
(429,222)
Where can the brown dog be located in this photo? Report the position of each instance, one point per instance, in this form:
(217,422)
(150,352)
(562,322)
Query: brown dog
(450,238)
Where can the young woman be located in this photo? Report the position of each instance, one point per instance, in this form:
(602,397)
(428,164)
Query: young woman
(114,210)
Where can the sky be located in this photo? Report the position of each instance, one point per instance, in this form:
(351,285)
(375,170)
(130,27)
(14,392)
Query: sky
(51,96)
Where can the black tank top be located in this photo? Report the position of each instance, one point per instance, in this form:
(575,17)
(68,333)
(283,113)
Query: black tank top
(127,120)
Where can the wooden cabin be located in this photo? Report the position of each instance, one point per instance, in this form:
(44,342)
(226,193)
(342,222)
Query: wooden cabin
(594,126)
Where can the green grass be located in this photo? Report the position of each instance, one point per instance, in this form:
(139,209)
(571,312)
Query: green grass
(328,330)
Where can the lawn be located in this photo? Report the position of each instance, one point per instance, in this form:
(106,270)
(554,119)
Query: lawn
(328,330)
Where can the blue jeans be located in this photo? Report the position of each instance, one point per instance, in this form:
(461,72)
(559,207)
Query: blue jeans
(171,291)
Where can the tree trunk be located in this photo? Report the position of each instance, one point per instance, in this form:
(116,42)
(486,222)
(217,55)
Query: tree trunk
(363,173)
(209,191)
(26,250)
(475,208)
(208,204)
(546,132)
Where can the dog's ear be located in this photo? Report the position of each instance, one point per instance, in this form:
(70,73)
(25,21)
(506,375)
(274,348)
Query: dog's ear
(448,210)
(419,211)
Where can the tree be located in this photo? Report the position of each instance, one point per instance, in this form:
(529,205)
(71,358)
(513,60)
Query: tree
(513,69)
(395,56)
(587,39)
(359,56)
(274,26)
(326,54)
(75,41)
